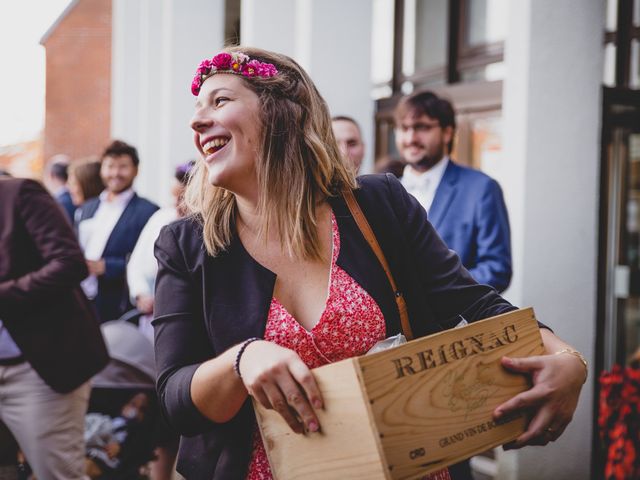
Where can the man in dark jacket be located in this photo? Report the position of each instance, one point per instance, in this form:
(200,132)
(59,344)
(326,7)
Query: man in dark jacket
(57,177)
(50,342)
(109,229)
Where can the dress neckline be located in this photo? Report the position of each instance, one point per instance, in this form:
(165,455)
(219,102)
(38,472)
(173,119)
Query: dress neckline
(335,252)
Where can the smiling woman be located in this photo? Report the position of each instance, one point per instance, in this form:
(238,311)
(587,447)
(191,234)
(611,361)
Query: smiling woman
(286,282)
(226,131)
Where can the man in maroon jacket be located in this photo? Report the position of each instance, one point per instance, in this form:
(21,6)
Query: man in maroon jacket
(50,342)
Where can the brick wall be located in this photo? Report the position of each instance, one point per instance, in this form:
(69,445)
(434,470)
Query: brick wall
(78,88)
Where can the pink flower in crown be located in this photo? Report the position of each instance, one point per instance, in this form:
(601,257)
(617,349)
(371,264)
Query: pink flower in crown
(251,68)
(205,66)
(237,62)
(267,70)
(221,61)
(196,84)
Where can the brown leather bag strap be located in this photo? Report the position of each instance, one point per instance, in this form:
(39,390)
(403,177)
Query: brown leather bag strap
(366,230)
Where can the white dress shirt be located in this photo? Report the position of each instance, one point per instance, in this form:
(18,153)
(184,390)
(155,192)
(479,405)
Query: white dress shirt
(94,232)
(143,266)
(423,185)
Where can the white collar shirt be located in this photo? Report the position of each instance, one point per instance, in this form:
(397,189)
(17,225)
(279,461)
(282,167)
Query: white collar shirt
(423,185)
(94,232)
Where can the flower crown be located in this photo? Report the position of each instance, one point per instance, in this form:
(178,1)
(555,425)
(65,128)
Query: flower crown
(237,63)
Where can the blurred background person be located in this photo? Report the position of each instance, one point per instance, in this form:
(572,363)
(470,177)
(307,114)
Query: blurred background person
(109,227)
(465,206)
(84,181)
(50,343)
(56,180)
(349,138)
(143,266)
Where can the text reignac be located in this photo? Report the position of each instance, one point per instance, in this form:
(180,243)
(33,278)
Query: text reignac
(454,351)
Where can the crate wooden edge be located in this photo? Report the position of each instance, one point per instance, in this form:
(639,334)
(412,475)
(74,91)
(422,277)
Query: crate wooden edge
(372,423)
(263,415)
(364,361)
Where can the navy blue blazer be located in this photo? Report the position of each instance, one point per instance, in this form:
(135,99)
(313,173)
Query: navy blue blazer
(113,294)
(64,199)
(469,213)
(205,305)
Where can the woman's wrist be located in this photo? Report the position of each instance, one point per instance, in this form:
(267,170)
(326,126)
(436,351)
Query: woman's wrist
(579,356)
(241,350)
(554,346)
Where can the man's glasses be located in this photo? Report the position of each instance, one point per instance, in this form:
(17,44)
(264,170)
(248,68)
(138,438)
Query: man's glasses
(419,127)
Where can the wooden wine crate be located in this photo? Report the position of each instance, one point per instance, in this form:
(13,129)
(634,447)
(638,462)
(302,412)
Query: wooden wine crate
(410,410)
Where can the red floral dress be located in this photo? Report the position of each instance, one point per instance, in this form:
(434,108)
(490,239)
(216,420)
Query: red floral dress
(350,325)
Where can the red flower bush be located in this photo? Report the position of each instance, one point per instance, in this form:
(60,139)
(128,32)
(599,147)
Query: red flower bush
(619,422)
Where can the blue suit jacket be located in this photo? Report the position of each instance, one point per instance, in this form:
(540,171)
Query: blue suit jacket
(113,295)
(469,213)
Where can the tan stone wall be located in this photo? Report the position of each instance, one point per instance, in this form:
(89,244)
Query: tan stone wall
(78,88)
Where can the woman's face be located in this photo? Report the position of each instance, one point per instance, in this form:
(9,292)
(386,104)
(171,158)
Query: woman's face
(227,133)
(77,196)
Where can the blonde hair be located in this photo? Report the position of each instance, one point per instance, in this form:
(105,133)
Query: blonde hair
(298,164)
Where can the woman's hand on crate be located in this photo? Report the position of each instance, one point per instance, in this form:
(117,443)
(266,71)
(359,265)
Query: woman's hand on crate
(278,379)
(557,380)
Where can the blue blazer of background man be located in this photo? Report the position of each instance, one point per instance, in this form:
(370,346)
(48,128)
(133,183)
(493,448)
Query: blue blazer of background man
(465,206)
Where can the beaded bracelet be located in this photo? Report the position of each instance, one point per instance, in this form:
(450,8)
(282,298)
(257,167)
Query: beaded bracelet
(245,344)
(579,356)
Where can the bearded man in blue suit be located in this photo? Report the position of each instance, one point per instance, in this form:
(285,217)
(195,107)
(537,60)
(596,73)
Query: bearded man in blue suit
(465,206)
(108,229)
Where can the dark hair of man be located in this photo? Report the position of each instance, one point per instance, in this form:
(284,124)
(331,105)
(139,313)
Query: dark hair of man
(118,148)
(59,171)
(427,103)
(345,118)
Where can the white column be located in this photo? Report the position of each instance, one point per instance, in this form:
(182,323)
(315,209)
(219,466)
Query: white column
(125,69)
(552,117)
(331,39)
(157,47)
(341,61)
(269,24)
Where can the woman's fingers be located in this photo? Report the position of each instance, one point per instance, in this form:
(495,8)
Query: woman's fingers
(280,405)
(537,432)
(552,398)
(527,399)
(299,403)
(523,365)
(261,397)
(277,378)
(304,377)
